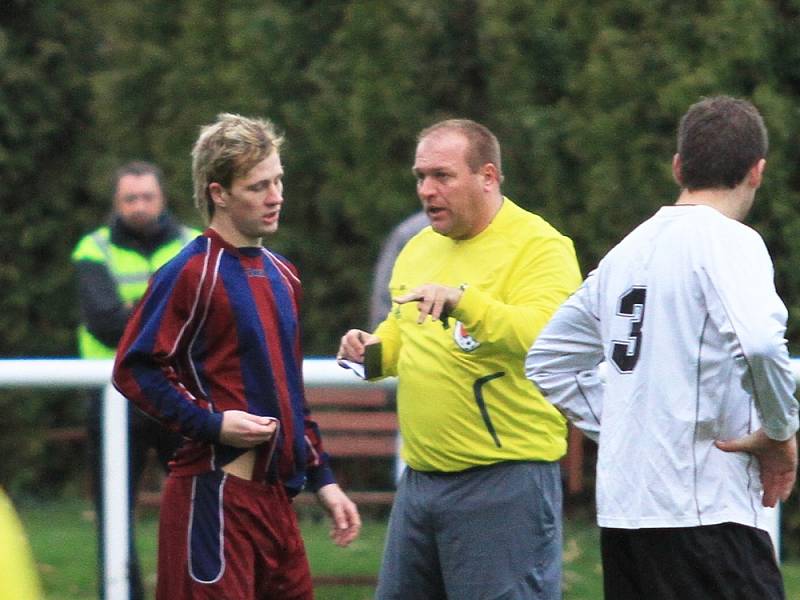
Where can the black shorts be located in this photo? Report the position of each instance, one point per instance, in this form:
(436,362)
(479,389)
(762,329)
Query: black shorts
(713,562)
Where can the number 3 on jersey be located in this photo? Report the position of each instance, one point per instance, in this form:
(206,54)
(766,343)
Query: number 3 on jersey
(625,354)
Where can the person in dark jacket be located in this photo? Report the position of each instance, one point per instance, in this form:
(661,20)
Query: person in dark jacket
(113,264)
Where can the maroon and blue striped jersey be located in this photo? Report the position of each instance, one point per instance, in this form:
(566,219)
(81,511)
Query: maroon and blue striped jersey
(218,330)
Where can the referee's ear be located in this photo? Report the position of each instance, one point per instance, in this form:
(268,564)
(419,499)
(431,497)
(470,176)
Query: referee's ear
(676,169)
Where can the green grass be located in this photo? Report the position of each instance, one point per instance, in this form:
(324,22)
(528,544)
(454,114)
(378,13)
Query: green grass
(582,574)
(62,536)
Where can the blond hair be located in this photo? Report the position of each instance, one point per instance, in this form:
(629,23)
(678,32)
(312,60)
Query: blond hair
(226,149)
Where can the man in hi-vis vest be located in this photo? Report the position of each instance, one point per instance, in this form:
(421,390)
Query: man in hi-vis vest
(113,265)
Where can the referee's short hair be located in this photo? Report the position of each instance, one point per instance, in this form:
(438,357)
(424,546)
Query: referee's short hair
(482,148)
(719,140)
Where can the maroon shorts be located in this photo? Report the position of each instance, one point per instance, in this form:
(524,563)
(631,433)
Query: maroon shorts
(223,537)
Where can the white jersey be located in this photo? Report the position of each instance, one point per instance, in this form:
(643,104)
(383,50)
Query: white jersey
(684,314)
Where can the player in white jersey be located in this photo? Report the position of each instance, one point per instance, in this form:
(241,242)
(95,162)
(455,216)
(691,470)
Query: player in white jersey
(696,419)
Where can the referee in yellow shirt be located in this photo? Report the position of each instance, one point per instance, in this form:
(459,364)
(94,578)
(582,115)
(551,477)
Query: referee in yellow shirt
(478,510)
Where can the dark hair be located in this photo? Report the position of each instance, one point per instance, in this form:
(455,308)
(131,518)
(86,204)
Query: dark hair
(483,145)
(719,141)
(138,168)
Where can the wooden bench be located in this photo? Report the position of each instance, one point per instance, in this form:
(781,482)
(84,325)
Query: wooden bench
(357,426)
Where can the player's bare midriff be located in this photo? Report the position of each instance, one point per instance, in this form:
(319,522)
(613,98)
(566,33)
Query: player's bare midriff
(242,466)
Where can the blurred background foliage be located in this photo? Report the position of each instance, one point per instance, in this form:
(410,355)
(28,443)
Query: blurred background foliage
(584,95)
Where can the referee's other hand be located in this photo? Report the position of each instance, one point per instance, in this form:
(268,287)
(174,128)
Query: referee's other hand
(777,460)
(353,343)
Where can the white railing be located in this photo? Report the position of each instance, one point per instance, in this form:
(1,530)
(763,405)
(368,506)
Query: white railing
(78,373)
(82,373)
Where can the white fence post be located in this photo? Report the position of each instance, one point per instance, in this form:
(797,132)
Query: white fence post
(116,549)
(774,528)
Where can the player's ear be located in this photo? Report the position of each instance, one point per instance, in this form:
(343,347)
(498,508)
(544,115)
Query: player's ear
(676,169)
(218,193)
(756,173)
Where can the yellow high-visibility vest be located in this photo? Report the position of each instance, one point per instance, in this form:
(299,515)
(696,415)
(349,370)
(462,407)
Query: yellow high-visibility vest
(130,271)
